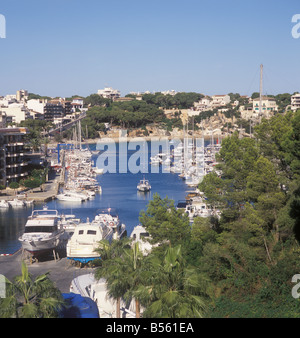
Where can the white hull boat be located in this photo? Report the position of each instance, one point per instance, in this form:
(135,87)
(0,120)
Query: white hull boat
(16,203)
(68,197)
(85,239)
(43,232)
(144,185)
(4,204)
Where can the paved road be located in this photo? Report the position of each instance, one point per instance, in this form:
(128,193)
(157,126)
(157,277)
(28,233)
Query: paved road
(61,271)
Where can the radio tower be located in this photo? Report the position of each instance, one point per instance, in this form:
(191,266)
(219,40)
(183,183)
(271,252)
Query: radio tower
(260,92)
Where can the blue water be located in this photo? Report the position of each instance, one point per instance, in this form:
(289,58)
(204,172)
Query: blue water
(119,190)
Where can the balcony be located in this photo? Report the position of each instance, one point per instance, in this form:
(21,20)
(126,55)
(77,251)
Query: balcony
(16,165)
(13,144)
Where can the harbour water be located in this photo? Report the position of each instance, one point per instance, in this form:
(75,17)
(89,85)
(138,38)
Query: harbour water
(119,191)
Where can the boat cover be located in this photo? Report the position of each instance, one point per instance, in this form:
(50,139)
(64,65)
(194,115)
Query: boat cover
(79,307)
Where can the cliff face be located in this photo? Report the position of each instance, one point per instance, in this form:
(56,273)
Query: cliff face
(218,125)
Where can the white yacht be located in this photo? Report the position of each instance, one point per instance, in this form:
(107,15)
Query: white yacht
(16,203)
(110,218)
(68,197)
(85,239)
(144,185)
(84,196)
(43,231)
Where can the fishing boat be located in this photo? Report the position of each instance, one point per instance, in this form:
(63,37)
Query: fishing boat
(43,231)
(144,185)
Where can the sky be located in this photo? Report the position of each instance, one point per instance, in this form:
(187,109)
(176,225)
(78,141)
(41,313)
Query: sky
(75,47)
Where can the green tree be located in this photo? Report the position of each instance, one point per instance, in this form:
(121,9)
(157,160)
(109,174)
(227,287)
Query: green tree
(121,269)
(31,298)
(14,186)
(175,290)
(164,222)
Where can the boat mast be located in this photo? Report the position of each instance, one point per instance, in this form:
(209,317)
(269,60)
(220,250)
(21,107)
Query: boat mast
(79,134)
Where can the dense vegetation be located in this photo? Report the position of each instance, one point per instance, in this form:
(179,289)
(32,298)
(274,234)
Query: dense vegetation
(132,114)
(252,251)
(28,297)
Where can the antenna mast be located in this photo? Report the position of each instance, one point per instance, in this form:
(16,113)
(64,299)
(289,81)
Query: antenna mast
(260,91)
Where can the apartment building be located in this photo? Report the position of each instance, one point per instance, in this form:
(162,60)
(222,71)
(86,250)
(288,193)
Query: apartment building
(55,110)
(109,93)
(295,102)
(16,112)
(13,165)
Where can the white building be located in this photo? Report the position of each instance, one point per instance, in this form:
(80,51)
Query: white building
(268,105)
(295,102)
(220,100)
(17,112)
(169,92)
(109,93)
(36,105)
(77,103)
(22,95)
(204,104)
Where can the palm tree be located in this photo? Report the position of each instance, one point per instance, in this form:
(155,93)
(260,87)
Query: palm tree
(121,266)
(174,289)
(132,266)
(110,269)
(31,298)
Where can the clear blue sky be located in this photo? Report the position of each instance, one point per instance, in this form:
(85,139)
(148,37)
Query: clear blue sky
(68,47)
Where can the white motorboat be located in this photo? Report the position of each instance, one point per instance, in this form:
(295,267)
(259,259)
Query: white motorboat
(43,231)
(110,218)
(85,240)
(98,171)
(84,196)
(140,235)
(68,197)
(4,204)
(144,185)
(16,203)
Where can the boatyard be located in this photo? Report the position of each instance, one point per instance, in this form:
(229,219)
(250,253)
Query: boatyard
(61,271)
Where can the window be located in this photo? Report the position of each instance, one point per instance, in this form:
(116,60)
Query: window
(80,232)
(91,232)
(144,234)
(37,228)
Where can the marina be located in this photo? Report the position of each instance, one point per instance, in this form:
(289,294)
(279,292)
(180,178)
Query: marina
(119,190)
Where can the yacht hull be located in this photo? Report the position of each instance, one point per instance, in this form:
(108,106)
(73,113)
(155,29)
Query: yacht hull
(37,247)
